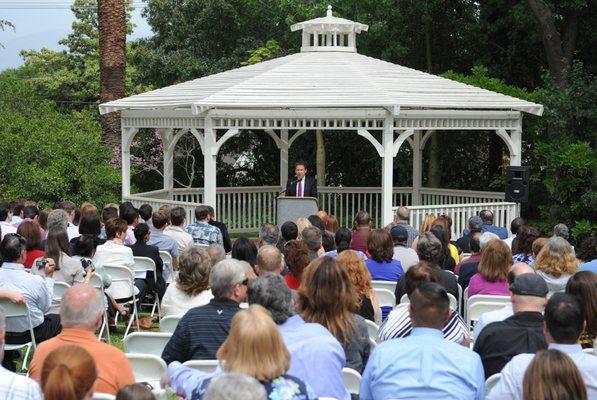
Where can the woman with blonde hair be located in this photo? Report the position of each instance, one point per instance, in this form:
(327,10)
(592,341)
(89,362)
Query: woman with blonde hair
(368,305)
(552,375)
(425,227)
(556,263)
(191,288)
(492,277)
(301,224)
(68,373)
(254,347)
(327,297)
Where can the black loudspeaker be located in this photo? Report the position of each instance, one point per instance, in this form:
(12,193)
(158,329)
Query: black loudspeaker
(518,180)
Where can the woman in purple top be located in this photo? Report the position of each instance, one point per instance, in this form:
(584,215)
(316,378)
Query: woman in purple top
(492,277)
(381,265)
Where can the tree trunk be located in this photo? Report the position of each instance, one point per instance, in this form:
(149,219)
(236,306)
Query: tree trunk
(320,158)
(495,157)
(112,62)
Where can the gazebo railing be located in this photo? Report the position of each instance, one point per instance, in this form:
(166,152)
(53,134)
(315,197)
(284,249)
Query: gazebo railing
(246,209)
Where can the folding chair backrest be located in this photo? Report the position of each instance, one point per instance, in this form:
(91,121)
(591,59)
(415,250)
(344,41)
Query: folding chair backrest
(147,367)
(391,286)
(491,382)
(59,289)
(352,380)
(103,396)
(385,298)
(372,329)
(144,264)
(146,342)
(166,257)
(475,310)
(122,281)
(590,351)
(97,282)
(404,299)
(453,302)
(207,366)
(12,310)
(169,323)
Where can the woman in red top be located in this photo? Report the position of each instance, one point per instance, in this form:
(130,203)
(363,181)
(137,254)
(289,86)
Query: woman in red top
(31,232)
(297,258)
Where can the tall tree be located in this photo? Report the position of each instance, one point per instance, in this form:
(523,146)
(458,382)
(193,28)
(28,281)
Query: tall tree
(112,62)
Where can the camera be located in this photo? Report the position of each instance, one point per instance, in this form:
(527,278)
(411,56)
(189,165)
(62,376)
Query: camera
(86,263)
(41,263)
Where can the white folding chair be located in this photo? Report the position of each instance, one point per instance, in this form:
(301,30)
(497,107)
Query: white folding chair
(352,380)
(123,287)
(168,269)
(491,382)
(97,282)
(404,299)
(146,342)
(103,396)
(169,323)
(146,264)
(59,289)
(147,368)
(385,297)
(12,311)
(453,302)
(482,298)
(464,256)
(207,366)
(478,308)
(391,286)
(372,329)
(460,303)
(589,351)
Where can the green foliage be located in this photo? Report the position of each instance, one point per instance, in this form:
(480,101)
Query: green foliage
(50,156)
(271,50)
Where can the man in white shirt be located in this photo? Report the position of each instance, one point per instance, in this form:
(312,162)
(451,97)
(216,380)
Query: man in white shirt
(5,220)
(178,218)
(514,225)
(72,230)
(564,322)
(36,290)
(402,252)
(507,311)
(14,386)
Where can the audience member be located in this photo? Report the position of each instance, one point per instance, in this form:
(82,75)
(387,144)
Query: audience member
(342,238)
(424,228)
(583,285)
(268,234)
(90,224)
(6,226)
(429,249)
(31,232)
(491,279)
(474,226)
(296,255)
(327,296)
(506,311)
(135,391)
(331,224)
(556,263)
(72,230)
(328,241)
(202,231)
(445,222)
(552,375)
(131,215)
(202,330)
(587,254)
(30,213)
(512,240)
(361,228)
(520,333)
(147,281)
(107,214)
(402,250)
(68,373)
(145,211)
(14,386)
(17,211)
(561,230)
(317,222)
(401,218)
(424,364)
(316,357)
(399,324)
(178,218)
(58,219)
(269,260)
(488,226)
(470,265)
(264,357)
(244,249)
(381,264)
(191,288)
(288,232)
(524,247)
(311,237)
(81,314)
(37,292)
(216,253)
(446,260)
(43,221)
(368,305)
(227,244)
(235,386)
(538,245)
(564,322)
(301,224)
(114,252)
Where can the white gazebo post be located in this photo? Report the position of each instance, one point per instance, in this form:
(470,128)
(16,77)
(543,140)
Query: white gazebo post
(387,184)
(209,164)
(167,138)
(516,155)
(283,158)
(127,136)
(417,168)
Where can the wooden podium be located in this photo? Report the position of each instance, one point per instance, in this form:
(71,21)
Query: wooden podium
(290,208)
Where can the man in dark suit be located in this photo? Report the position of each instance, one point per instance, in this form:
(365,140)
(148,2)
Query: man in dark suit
(301,185)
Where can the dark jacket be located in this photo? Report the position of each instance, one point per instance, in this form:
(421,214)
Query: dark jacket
(225,236)
(309,189)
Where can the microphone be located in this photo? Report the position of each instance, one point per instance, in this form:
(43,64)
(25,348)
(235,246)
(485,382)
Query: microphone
(292,182)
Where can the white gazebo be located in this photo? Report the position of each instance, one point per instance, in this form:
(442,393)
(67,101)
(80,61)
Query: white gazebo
(327,86)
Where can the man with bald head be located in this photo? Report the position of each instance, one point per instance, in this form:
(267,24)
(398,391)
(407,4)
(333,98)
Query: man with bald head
(269,260)
(505,312)
(401,218)
(81,312)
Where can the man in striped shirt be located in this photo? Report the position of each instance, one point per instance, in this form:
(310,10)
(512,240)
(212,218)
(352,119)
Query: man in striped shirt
(202,330)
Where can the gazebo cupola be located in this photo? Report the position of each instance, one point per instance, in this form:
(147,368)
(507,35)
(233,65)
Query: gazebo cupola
(329,33)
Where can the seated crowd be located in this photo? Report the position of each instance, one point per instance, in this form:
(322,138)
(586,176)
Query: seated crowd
(285,313)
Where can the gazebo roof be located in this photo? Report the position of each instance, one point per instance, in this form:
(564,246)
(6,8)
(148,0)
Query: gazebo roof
(333,78)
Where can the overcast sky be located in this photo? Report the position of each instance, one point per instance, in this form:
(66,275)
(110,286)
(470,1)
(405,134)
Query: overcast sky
(36,28)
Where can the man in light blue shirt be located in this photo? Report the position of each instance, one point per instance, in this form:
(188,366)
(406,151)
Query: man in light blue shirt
(316,356)
(564,323)
(424,365)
